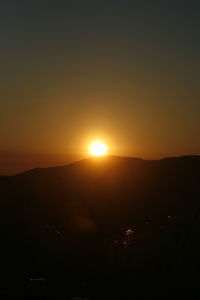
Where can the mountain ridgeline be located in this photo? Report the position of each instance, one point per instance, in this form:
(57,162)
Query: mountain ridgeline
(109,192)
(73,217)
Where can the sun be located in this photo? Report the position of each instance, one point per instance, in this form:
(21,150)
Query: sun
(98,148)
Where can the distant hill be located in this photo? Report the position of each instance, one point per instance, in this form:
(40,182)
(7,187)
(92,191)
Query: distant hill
(14,162)
(79,209)
(109,190)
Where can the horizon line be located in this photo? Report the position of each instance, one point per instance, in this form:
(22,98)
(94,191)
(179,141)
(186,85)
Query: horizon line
(101,158)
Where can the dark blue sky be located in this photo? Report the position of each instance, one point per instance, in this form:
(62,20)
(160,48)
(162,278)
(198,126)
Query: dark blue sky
(124,71)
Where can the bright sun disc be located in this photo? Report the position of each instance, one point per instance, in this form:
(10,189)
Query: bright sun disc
(98,149)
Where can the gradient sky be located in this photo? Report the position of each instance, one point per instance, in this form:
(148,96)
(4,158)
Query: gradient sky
(123,71)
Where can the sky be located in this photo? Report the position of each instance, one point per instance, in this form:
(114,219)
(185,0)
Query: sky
(126,72)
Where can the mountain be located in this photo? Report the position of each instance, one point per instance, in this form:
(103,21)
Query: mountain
(14,162)
(73,218)
(108,191)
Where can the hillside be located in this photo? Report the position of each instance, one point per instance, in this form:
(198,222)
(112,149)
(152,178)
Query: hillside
(75,216)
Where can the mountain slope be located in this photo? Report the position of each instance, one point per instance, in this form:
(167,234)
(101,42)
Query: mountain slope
(100,217)
(109,190)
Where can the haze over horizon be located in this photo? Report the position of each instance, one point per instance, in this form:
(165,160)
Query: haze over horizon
(126,72)
(23,162)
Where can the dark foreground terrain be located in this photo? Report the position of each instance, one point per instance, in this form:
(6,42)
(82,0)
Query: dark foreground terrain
(102,228)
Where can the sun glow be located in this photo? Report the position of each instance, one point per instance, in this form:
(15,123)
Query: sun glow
(98,148)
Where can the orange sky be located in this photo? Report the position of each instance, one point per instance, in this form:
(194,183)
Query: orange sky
(126,72)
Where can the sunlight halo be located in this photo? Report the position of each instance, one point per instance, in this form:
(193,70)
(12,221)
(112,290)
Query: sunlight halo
(98,148)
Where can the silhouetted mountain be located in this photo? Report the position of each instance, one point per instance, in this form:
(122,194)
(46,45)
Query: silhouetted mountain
(85,217)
